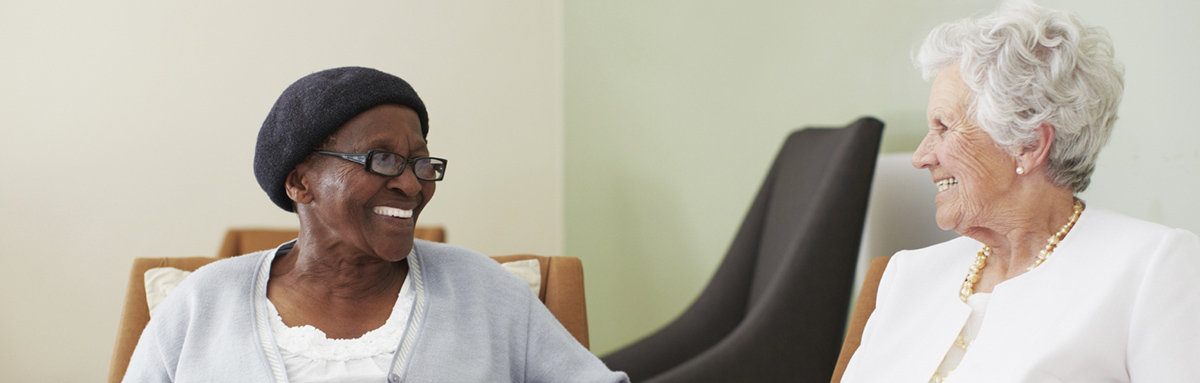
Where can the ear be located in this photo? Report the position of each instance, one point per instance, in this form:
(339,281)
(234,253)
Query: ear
(1037,156)
(296,184)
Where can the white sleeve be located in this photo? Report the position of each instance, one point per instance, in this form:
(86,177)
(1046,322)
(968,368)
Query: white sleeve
(1164,334)
(883,296)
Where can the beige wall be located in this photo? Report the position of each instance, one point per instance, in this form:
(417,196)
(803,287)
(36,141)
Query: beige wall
(674,110)
(128,130)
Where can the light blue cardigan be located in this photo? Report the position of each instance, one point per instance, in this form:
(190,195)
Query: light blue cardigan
(471,321)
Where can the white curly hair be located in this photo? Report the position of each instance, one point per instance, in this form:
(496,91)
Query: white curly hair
(1027,65)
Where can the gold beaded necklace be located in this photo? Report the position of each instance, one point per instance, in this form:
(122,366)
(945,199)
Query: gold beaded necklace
(968,286)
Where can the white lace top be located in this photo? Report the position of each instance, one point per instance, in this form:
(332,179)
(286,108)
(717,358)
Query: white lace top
(309,356)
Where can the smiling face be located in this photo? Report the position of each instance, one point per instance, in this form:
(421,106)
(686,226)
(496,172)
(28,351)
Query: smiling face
(346,205)
(972,174)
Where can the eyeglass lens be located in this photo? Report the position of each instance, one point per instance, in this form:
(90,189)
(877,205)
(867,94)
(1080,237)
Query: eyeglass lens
(392,164)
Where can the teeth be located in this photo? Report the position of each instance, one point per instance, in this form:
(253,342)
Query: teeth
(946,184)
(393,212)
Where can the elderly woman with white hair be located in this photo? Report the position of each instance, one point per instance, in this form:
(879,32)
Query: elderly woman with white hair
(1041,287)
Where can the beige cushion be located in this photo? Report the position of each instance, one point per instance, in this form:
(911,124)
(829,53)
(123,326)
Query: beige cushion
(161,281)
(530,270)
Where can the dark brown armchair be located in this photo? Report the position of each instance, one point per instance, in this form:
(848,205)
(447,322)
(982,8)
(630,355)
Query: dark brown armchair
(775,309)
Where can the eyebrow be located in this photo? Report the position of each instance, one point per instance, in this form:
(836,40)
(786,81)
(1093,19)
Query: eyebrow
(422,147)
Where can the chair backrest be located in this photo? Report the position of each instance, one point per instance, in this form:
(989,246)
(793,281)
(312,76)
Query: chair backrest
(777,304)
(136,312)
(863,308)
(245,241)
(561,292)
(902,215)
(562,289)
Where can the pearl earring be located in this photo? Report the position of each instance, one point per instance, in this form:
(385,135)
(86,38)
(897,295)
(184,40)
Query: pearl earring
(1020,170)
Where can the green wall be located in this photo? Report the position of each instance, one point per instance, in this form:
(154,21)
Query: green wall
(674,110)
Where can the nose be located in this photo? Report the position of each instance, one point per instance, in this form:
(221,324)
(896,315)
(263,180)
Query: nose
(923,157)
(406,183)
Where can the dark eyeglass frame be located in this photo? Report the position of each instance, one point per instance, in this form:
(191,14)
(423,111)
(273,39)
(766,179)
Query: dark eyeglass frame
(366,159)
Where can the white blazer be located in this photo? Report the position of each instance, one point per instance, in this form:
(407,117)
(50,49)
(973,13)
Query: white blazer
(1118,301)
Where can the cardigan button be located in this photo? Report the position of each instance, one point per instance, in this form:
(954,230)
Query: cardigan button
(393,378)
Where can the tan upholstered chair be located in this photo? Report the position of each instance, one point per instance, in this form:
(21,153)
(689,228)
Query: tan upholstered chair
(775,306)
(245,241)
(561,291)
(863,308)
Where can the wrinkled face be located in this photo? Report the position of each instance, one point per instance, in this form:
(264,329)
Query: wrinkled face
(364,210)
(971,172)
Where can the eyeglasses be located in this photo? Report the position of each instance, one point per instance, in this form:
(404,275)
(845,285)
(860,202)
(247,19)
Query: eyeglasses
(390,164)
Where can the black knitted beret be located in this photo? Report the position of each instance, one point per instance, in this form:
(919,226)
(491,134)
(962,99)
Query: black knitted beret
(312,109)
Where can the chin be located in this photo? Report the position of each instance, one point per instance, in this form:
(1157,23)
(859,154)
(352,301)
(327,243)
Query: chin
(946,226)
(397,252)
(944,220)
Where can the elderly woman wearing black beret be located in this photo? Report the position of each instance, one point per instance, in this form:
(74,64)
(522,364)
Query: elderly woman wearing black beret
(355,298)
